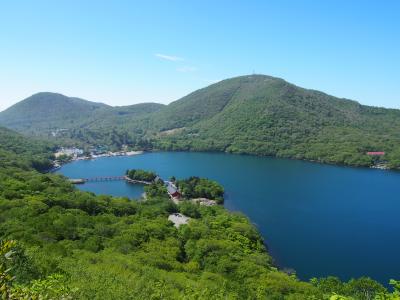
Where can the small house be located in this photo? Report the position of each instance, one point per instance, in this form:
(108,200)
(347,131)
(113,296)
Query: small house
(173,190)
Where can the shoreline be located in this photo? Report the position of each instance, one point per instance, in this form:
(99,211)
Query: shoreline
(108,154)
(57,164)
(134,153)
(382,167)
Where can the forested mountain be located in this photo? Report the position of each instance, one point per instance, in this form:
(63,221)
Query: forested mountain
(268,116)
(43,113)
(46,111)
(253,114)
(57,242)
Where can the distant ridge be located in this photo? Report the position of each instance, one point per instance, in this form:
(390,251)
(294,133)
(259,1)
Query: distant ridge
(45,111)
(253,114)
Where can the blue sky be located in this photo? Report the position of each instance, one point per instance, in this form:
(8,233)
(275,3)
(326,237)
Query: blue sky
(126,52)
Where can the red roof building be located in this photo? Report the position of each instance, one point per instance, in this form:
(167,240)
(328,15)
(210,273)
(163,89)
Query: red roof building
(376,153)
(173,191)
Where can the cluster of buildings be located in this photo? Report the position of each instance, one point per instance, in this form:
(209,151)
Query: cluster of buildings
(175,195)
(72,152)
(379,160)
(94,152)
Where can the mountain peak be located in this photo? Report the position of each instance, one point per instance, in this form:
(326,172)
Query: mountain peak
(52,97)
(47,109)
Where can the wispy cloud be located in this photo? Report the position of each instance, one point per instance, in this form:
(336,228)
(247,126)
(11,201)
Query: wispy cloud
(169,57)
(186,69)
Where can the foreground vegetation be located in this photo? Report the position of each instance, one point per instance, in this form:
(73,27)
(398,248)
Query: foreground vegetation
(61,243)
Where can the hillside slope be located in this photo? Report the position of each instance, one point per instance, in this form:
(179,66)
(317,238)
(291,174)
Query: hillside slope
(71,120)
(26,152)
(269,116)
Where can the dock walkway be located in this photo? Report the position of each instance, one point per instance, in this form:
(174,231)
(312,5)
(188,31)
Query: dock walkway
(106,178)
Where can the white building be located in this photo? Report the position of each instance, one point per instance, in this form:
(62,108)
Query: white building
(178,219)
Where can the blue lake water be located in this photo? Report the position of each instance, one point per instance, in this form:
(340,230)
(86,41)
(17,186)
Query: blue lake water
(317,219)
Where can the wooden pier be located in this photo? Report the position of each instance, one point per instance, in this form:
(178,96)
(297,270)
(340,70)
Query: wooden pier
(106,178)
(97,179)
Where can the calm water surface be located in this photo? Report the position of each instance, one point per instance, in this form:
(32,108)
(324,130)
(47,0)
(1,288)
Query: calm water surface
(317,219)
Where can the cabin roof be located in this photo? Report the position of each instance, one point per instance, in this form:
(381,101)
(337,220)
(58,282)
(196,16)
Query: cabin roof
(376,153)
(172,189)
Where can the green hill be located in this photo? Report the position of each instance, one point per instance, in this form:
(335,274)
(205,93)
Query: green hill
(48,111)
(253,114)
(268,116)
(73,120)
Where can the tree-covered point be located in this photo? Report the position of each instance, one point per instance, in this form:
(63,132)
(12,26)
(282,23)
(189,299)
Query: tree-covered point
(141,175)
(195,187)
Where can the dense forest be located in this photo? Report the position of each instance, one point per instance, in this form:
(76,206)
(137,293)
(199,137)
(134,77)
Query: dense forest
(61,243)
(255,114)
(16,150)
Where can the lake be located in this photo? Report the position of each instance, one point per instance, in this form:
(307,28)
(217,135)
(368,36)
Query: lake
(317,219)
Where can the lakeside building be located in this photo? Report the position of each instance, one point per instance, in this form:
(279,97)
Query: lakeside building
(74,152)
(98,150)
(378,153)
(173,191)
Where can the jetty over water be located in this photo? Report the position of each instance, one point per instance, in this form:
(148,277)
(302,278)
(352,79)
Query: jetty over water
(106,178)
(98,179)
